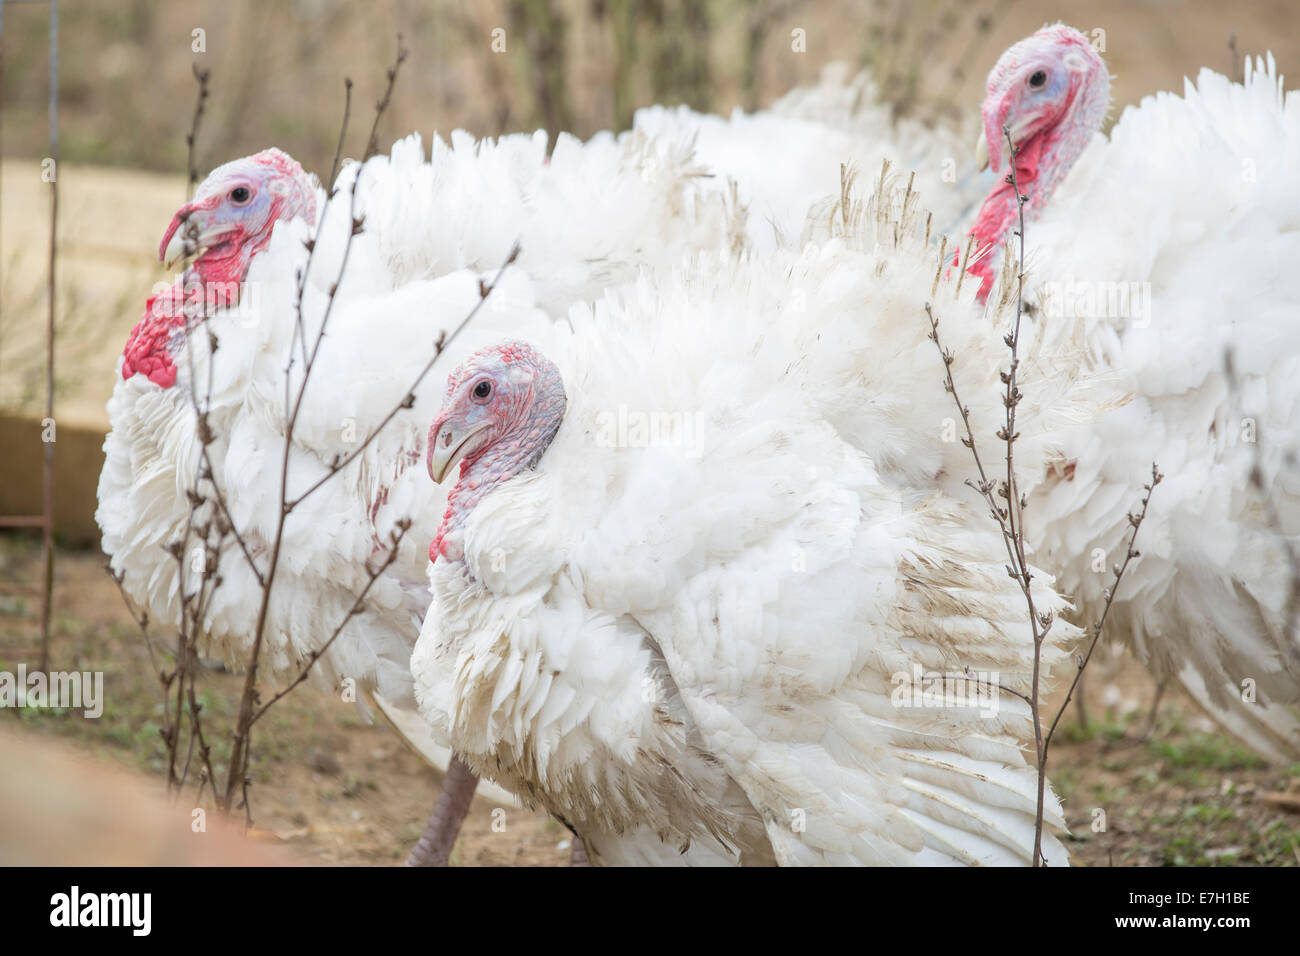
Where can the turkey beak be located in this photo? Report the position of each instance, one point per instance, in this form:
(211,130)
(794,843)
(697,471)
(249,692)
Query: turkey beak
(1023,128)
(1020,130)
(186,237)
(450,444)
(982,152)
(180,242)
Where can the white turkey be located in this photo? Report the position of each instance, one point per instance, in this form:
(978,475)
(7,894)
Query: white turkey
(1158,251)
(676,604)
(587,216)
(786,159)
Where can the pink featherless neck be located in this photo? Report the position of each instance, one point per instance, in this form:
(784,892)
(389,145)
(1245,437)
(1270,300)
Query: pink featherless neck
(517,423)
(1052,91)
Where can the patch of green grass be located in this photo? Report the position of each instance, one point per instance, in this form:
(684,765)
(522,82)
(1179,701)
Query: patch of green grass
(1205,751)
(1207,834)
(1065,781)
(1278,844)
(1185,849)
(1106,795)
(1208,813)
(1111,729)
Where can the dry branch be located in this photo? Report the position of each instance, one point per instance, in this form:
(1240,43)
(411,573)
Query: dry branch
(1007,505)
(210,530)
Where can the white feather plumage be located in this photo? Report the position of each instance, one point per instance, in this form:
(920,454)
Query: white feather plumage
(785,160)
(1194,204)
(688,648)
(593,214)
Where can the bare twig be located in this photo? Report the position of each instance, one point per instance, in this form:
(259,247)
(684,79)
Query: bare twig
(249,712)
(441,345)
(141,618)
(395,542)
(372,144)
(243,729)
(192,136)
(343,132)
(210,531)
(220,498)
(1135,520)
(1007,504)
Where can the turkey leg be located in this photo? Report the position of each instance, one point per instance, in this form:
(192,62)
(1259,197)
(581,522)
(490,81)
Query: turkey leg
(439,836)
(578,855)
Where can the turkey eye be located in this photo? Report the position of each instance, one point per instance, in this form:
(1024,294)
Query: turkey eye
(1038,79)
(482,390)
(240,194)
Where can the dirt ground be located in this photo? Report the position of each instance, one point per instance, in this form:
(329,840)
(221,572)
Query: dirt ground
(329,785)
(333,789)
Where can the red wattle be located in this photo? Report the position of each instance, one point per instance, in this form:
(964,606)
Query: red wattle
(1000,214)
(148,349)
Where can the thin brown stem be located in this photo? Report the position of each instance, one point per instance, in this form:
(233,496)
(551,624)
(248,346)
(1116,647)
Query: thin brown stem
(244,723)
(373,575)
(1009,513)
(440,346)
(372,143)
(343,132)
(1016,504)
(1135,520)
(191,170)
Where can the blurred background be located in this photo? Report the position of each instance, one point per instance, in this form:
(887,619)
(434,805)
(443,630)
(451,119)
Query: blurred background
(578,65)
(126,101)
(126,98)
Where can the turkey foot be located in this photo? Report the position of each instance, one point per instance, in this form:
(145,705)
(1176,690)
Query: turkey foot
(1155,712)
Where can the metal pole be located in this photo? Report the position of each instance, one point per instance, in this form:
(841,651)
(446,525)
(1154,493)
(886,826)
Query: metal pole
(2,140)
(47,537)
(45,520)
